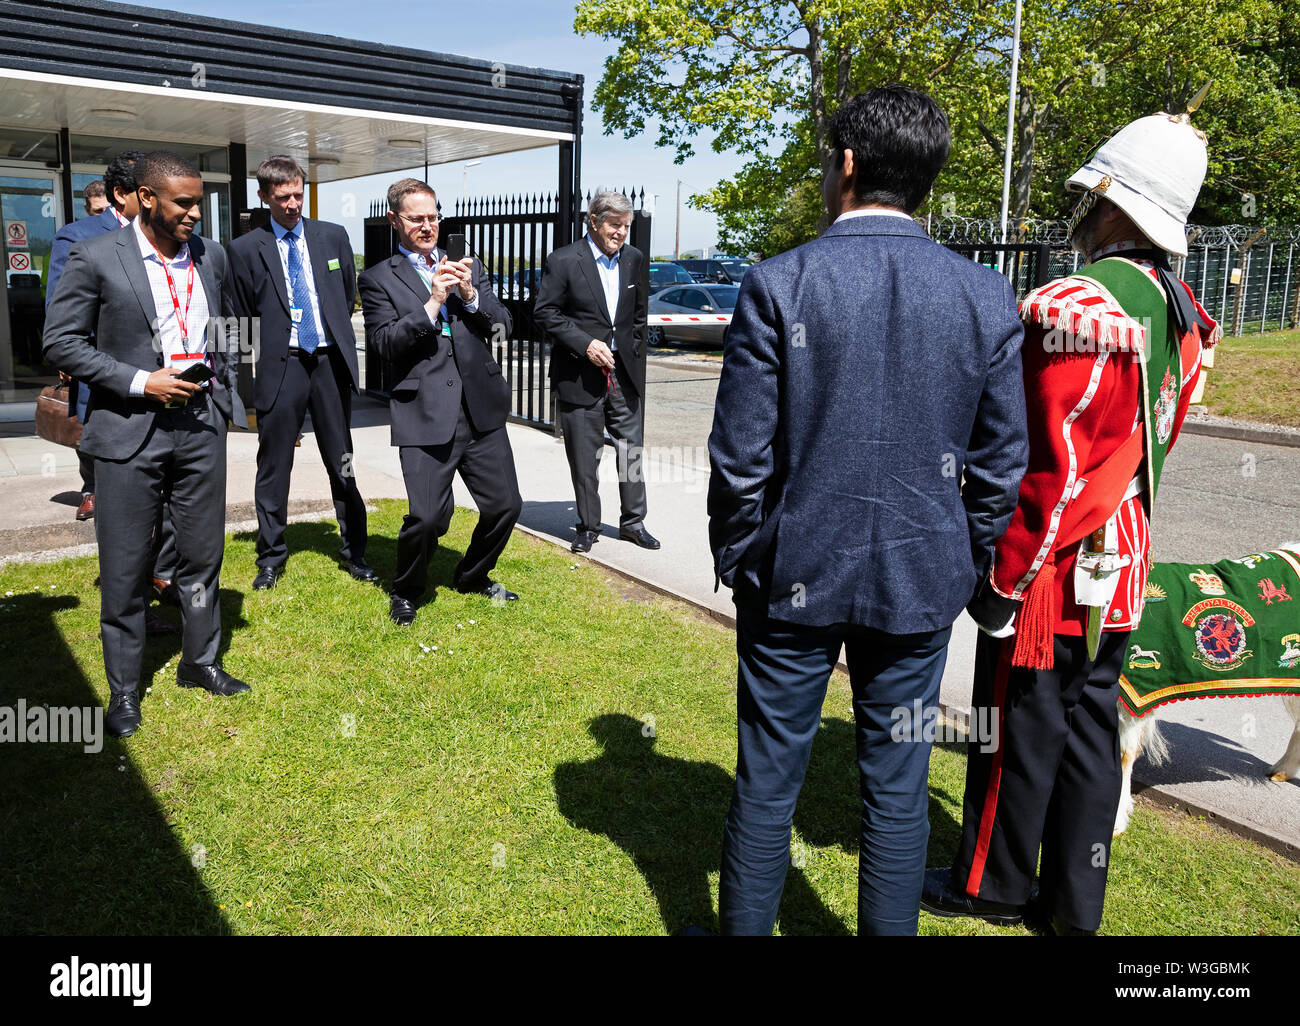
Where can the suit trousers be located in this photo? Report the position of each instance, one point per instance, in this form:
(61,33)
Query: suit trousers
(318,382)
(182,464)
(782,675)
(584,438)
(1053,780)
(487,466)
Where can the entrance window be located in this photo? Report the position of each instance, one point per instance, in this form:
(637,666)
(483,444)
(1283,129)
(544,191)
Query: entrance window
(29,209)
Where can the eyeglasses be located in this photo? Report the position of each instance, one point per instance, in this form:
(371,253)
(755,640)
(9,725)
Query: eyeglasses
(429,219)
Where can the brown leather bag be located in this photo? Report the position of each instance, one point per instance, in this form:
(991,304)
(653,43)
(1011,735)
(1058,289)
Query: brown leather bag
(52,420)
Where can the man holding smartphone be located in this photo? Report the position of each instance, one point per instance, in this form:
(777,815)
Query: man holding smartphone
(134,319)
(433,316)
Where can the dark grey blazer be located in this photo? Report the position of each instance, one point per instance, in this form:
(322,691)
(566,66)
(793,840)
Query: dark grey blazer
(571,308)
(256,288)
(431,376)
(100,329)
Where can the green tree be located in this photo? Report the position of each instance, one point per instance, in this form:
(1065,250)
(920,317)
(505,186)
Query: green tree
(766,79)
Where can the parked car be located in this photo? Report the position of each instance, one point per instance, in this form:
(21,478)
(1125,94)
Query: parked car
(713,304)
(524,283)
(664,275)
(724,272)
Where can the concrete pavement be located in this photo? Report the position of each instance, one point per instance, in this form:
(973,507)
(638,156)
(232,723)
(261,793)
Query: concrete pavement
(1221,497)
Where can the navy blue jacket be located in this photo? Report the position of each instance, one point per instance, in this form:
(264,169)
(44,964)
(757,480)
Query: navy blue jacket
(869,434)
(68,236)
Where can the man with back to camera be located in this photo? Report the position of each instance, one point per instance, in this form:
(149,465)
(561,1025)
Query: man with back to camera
(867,445)
(130,318)
(434,319)
(592,302)
(297,277)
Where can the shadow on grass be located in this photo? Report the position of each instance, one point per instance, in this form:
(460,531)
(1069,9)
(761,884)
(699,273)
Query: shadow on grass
(322,536)
(87,849)
(668,814)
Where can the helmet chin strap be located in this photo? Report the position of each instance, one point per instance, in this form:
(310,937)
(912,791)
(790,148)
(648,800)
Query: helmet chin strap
(1084,207)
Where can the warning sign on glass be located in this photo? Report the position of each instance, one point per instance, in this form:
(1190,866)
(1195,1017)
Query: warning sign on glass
(16,234)
(20,262)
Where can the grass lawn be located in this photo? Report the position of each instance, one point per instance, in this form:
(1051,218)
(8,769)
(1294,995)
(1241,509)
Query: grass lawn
(1257,377)
(494,769)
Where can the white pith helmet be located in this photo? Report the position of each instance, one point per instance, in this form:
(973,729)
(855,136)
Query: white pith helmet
(1152,169)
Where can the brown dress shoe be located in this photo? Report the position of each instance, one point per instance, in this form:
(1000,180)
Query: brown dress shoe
(86,511)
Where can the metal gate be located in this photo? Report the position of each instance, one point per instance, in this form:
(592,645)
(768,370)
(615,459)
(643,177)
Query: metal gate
(511,236)
(1026,265)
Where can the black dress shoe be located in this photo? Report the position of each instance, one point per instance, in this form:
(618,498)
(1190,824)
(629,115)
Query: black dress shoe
(939,899)
(210,678)
(1063,929)
(493,590)
(401,611)
(122,717)
(585,540)
(639,535)
(266,577)
(155,626)
(360,571)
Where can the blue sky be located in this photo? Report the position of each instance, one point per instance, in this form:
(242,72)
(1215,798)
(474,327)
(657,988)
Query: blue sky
(515,32)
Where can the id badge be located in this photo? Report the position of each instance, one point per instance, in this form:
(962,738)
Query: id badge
(295,314)
(182,360)
(446,329)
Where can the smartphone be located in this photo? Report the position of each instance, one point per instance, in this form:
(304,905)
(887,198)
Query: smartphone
(455,248)
(197,373)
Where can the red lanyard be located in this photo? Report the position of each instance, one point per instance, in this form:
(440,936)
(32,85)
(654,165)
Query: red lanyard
(176,302)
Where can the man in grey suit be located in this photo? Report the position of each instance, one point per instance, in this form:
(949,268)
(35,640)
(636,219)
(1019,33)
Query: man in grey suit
(137,318)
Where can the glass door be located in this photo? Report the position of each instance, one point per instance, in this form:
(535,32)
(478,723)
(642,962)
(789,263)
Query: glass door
(29,217)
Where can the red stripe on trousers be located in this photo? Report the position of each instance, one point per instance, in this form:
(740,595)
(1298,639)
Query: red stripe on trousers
(1003,672)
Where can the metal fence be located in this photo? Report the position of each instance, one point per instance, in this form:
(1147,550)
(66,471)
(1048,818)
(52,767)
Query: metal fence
(1247,277)
(511,236)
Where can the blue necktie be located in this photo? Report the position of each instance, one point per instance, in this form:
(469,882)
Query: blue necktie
(308,336)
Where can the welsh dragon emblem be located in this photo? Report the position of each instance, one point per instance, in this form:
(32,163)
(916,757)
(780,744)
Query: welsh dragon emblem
(1270,592)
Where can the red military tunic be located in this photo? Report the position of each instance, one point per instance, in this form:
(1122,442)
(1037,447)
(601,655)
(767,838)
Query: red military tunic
(1083,395)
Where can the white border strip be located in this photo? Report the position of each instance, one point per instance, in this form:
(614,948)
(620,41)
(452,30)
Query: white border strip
(101,84)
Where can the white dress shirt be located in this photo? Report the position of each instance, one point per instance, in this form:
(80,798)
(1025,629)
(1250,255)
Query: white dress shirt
(607,268)
(282,244)
(874,212)
(167,327)
(425,271)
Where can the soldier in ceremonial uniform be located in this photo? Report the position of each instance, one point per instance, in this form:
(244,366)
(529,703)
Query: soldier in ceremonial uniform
(1111,355)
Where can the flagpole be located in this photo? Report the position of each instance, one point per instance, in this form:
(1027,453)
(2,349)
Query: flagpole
(1011,122)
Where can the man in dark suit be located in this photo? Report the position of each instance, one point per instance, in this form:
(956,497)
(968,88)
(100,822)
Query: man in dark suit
(135,310)
(434,321)
(592,301)
(119,190)
(298,278)
(867,446)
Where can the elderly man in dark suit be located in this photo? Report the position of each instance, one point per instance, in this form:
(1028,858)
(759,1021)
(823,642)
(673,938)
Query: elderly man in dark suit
(592,301)
(867,446)
(434,320)
(150,299)
(119,190)
(296,276)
